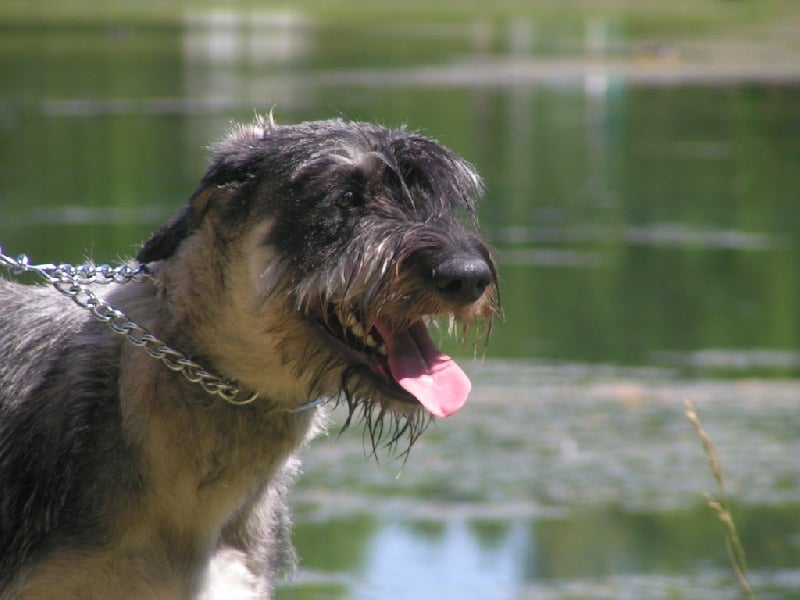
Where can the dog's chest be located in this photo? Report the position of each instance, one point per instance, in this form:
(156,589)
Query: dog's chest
(199,476)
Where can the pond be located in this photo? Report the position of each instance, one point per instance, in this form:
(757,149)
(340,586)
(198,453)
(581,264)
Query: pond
(645,214)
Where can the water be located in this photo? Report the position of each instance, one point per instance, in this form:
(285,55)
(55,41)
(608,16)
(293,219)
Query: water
(560,482)
(646,220)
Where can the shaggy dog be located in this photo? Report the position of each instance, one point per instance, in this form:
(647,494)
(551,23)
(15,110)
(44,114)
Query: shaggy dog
(309,263)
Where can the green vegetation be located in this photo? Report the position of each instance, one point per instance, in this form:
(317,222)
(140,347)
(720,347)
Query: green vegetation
(662,17)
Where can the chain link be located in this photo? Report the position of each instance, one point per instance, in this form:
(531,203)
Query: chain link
(84,274)
(72,281)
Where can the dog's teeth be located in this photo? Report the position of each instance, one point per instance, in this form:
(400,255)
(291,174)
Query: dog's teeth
(381,349)
(370,341)
(357,329)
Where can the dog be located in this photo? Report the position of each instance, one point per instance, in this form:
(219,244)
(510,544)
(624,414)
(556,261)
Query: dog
(309,263)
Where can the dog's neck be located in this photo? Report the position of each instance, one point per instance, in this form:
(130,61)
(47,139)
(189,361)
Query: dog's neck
(205,456)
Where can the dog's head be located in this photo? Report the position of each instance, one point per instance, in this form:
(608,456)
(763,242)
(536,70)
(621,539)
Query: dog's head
(315,257)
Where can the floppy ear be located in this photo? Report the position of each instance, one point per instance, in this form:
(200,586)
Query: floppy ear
(166,240)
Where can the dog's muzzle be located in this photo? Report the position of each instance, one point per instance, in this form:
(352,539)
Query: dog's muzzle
(402,359)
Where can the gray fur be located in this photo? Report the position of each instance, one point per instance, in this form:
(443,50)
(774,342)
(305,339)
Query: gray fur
(120,478)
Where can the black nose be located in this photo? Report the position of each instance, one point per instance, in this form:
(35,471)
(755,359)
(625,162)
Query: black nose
(462,279)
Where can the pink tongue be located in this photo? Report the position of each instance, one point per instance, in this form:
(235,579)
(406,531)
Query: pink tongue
(433,378)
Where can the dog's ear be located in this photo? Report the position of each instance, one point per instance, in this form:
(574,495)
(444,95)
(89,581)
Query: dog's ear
(166,240)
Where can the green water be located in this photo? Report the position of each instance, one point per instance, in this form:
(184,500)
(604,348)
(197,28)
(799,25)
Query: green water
(648,240)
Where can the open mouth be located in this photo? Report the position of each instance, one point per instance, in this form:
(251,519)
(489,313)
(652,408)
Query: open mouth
(403,362)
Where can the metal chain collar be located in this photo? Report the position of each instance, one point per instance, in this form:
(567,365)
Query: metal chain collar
(72,281)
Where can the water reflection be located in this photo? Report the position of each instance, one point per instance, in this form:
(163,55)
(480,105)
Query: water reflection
(604,554)
(654,235)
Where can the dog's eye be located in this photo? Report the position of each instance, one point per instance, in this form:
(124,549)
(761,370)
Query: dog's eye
(348,199)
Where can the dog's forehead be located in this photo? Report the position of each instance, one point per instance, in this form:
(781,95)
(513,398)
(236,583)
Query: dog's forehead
(316,147)
(316,158)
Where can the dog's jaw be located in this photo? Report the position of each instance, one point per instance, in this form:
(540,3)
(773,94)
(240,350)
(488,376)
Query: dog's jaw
(401,363)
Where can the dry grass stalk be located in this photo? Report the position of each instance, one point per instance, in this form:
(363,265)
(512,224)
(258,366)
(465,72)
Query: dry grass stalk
(733,543)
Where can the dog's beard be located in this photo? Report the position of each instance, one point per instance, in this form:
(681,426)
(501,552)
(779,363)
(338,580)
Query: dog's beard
(387,423)
(360,374)
(395,381)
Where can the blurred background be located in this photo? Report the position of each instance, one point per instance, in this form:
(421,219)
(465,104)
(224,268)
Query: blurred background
(642,161)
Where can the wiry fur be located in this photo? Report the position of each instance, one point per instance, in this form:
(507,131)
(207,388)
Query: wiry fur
(120,478)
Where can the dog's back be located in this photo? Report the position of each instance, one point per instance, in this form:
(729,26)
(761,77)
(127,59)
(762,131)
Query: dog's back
(84,505)
(59,420)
